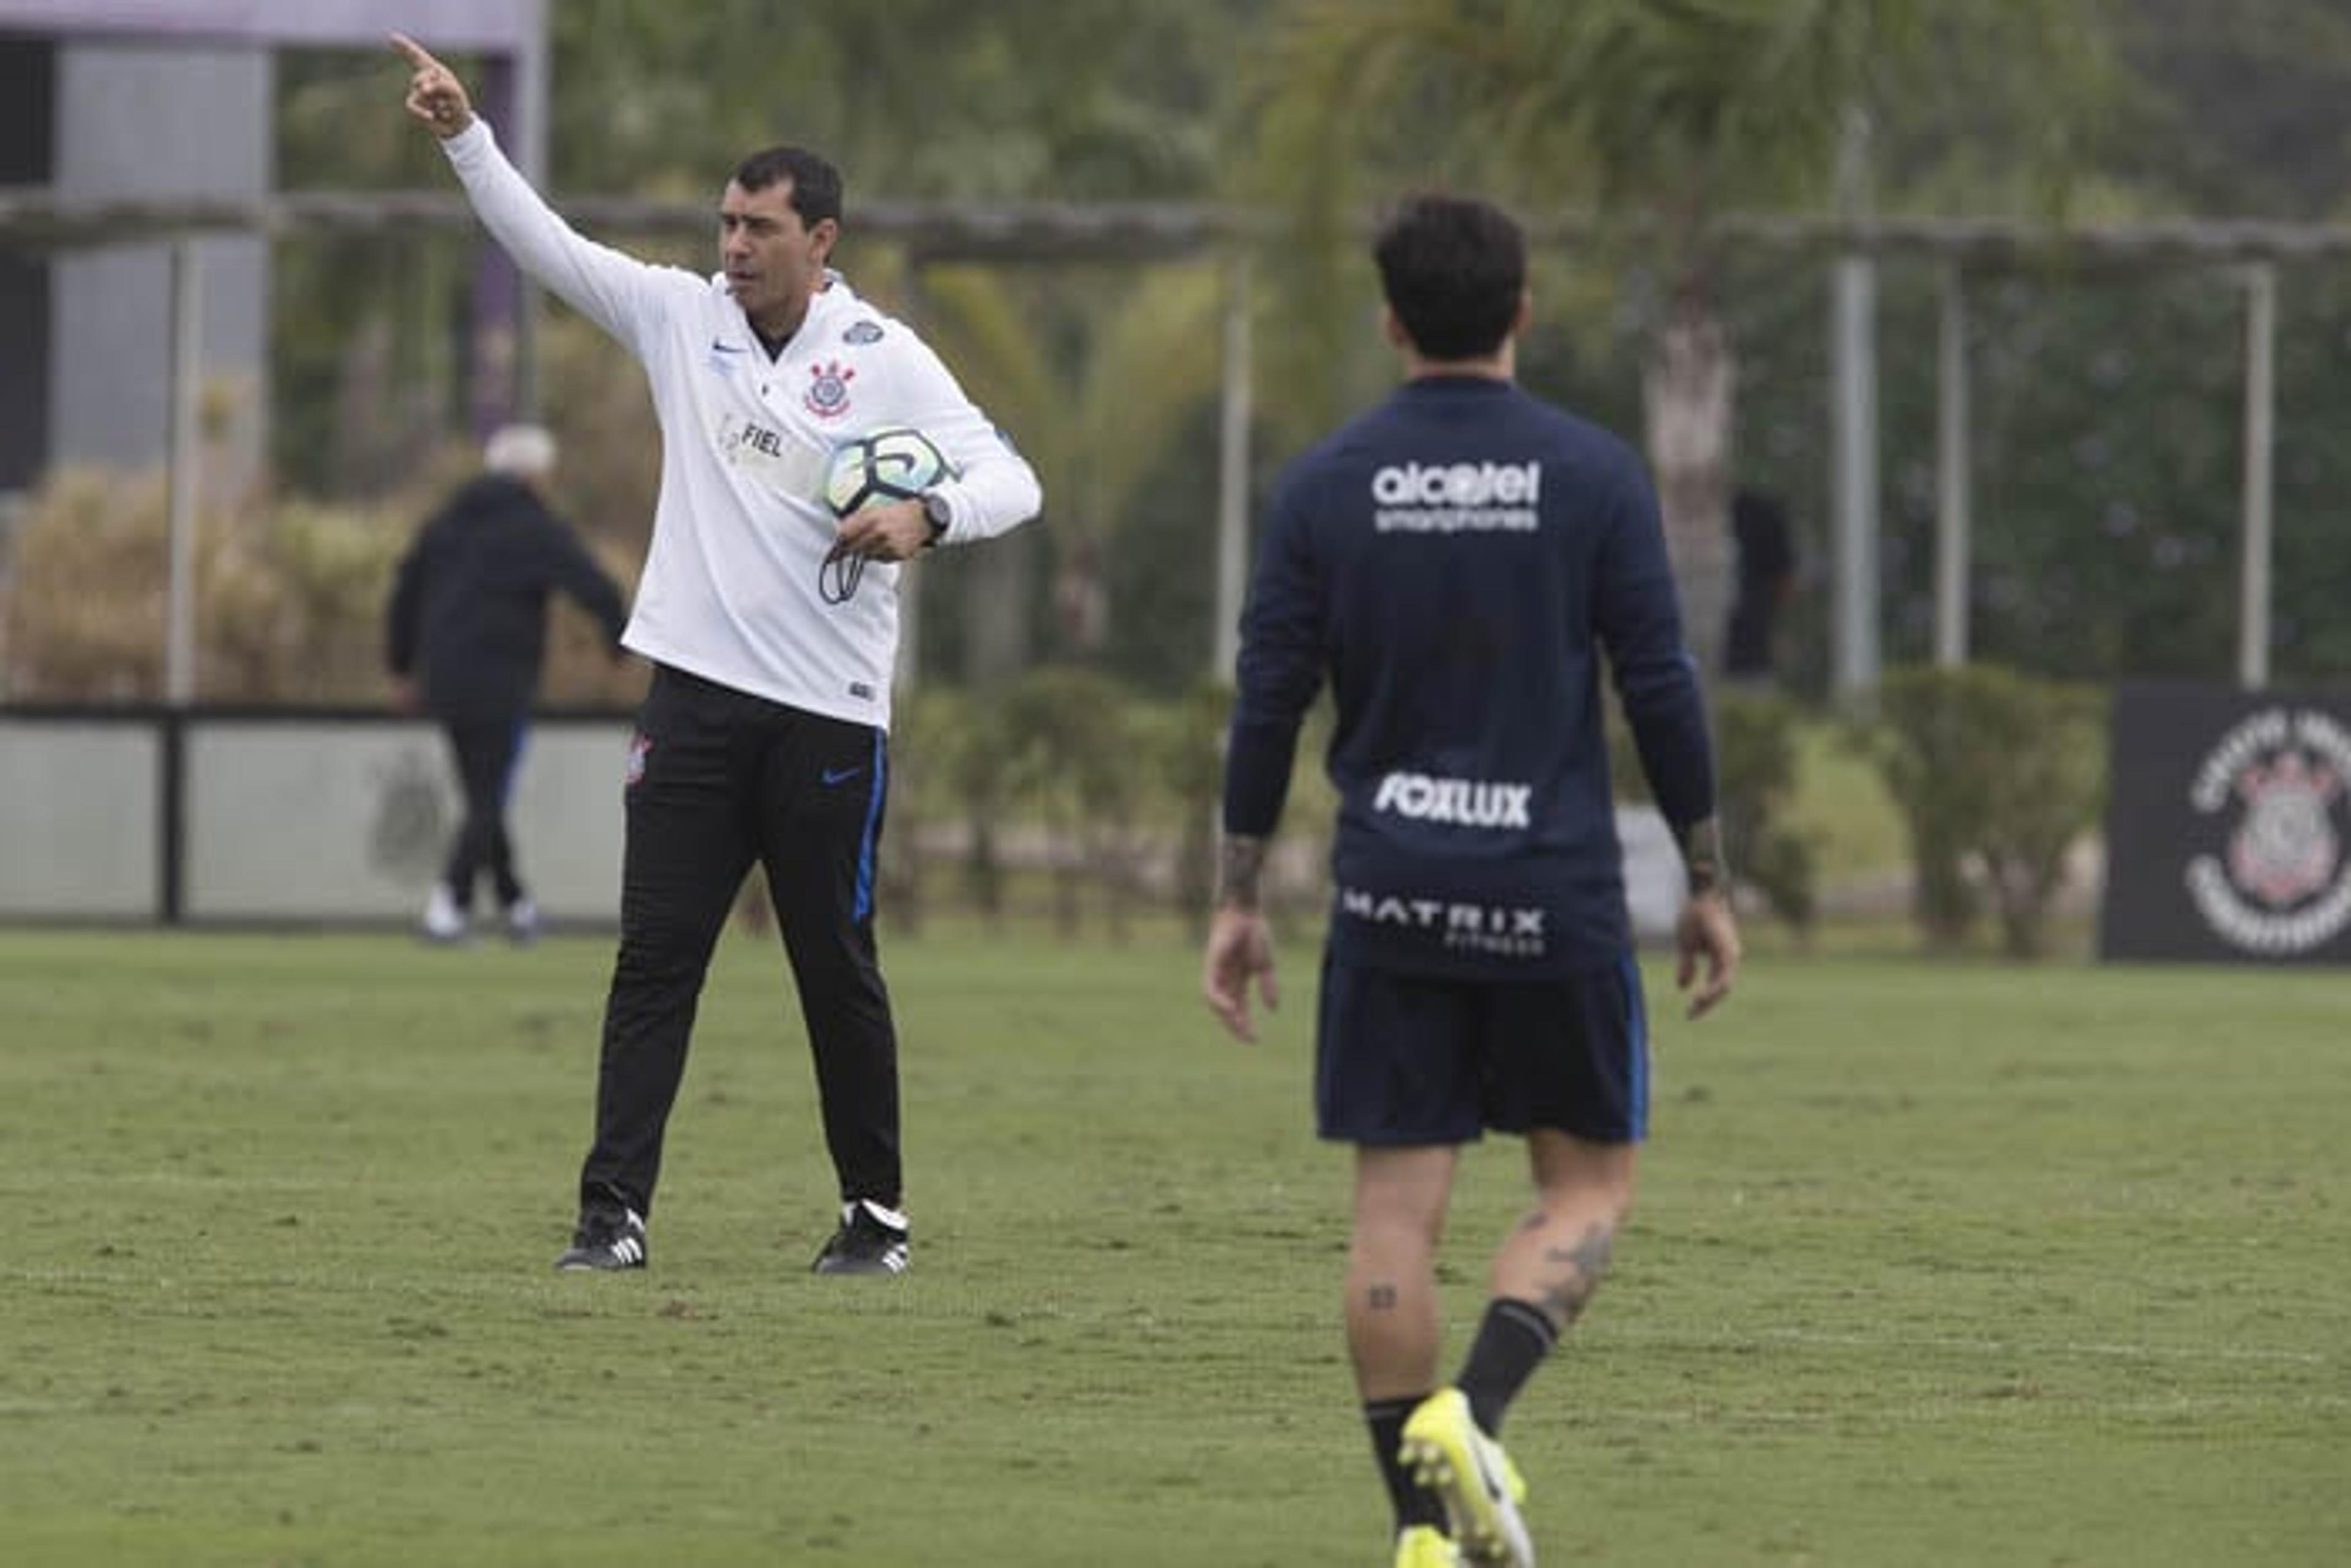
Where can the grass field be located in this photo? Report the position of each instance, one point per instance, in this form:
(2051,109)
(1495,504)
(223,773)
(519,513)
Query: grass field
(1935,1265)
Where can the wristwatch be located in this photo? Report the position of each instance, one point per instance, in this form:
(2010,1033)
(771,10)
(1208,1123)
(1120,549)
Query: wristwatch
(936,513)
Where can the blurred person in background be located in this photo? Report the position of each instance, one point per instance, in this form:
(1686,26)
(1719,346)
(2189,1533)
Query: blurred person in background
(773,629)
(465,636)
(1455,564)
(1766,552)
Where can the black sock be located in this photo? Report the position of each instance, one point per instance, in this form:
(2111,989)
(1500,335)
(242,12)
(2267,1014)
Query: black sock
(1414,1503)
(1511,1342)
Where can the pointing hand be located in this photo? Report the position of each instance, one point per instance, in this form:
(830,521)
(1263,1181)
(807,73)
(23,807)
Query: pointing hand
(435,96)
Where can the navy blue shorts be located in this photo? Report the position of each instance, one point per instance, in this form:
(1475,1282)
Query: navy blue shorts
(1411,1059)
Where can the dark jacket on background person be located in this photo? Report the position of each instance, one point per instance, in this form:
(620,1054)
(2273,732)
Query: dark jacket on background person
(1766,576)
(467,618)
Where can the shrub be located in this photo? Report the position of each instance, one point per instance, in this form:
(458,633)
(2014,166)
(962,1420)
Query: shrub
(290,599)
(86,590)
(1189,753)
(1755,782)
(1074,753)
(947,765)
(1996,775)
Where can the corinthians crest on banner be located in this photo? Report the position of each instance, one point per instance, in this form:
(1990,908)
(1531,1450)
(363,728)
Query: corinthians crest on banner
(2227,824)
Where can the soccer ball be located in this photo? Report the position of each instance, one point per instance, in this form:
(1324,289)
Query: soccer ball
(895,464)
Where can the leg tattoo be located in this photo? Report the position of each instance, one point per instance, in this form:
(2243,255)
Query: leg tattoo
(1571,1273)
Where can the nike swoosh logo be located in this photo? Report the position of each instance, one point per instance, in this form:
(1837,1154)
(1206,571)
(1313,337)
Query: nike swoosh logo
(718,348)
(840,775)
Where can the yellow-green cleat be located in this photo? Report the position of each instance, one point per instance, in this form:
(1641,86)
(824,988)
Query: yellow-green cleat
(1481,1488)
(1425,1546)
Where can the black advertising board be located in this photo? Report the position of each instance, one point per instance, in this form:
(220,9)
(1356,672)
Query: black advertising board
(2227,823)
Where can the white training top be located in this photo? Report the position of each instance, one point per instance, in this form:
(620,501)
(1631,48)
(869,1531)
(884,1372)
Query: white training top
(730,590)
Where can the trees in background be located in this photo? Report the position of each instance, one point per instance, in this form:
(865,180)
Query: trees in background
(1663,115)
(2107,427)
(1097,374)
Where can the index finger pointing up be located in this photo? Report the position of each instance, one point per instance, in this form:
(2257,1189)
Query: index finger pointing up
(411,51)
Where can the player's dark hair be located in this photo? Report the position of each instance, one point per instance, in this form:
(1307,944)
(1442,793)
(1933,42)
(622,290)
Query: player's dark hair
(1453,270)
(816,184)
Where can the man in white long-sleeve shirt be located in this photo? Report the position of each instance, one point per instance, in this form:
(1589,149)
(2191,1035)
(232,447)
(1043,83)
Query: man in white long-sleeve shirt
(772,627)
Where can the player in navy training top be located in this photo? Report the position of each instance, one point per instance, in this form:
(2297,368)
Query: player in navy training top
(1462,563)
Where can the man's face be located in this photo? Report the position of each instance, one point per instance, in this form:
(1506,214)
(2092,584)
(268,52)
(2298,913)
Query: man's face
(773,262)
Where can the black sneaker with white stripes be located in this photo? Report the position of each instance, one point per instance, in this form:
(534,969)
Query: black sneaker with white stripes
(606,1240)
(871,1240)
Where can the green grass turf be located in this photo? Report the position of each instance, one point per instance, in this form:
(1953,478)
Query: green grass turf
(1934,1264)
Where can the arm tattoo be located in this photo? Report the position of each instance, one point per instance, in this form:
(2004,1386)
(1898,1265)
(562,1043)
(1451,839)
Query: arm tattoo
(1240,868)
(1702,857)
(1381,1297)
(1579,1269)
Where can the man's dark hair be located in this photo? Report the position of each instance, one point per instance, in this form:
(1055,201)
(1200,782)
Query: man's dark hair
(1453,270)
(816,184)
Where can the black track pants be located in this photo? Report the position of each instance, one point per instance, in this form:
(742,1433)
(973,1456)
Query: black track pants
(719,781)
(486,752)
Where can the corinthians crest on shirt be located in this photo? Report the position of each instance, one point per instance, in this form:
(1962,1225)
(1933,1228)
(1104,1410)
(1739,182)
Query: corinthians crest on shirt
(2279,885)
(827,393)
